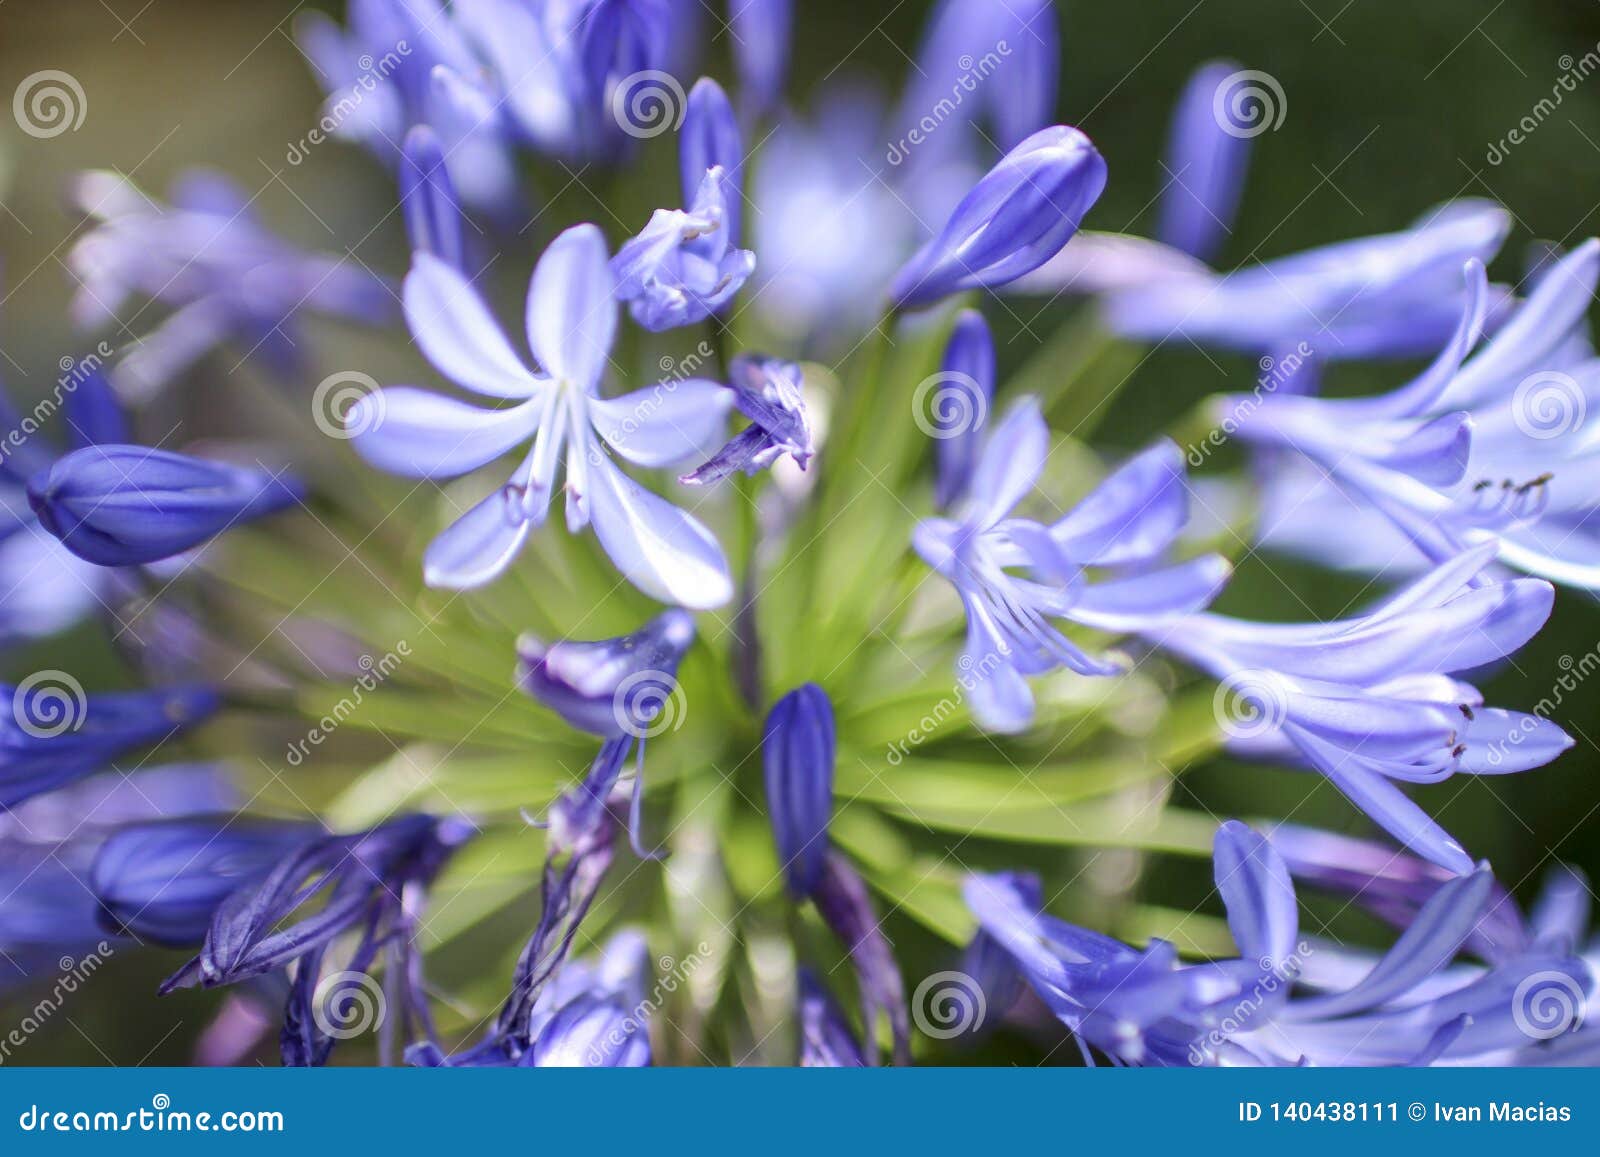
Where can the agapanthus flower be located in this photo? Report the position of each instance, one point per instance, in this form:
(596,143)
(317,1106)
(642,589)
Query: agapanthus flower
(428,200)
(161,881)
(54,734)
(1124,524)
(49,844)
(609,687)
(372,882)
(1288,999)
(1496,447)
(381,79)
(761,31)
(768,392)
(798,755)
(571,318)
(1392,295)
(826,1039)
(961,409)
(591,1015)
(996,65)
(1207,156)
(1371,700)
(710,138)
(226,277)
(119,505)
(1017,217)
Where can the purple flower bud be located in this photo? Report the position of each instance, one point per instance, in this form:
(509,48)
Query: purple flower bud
(428,199)
(592,1032)
(1016,218)
(761,31)
(162,880)
(1206,162)
(961,405)
(826,1039)
(123,505)
(609,687)
(846,908)
(710,139)
(54,734)
(768,392)
(797,748)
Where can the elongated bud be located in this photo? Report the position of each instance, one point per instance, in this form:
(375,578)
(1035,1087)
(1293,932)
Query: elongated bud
(710,139)
(960,408)
(610,687)
(826,1039)
(762,31)
(121,505)
(428,199)
(1207,154)
(797,749)
(1017,217)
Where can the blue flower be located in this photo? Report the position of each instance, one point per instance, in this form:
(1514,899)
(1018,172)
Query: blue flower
(1206,163)
(226,277)
(1393,295)
(768,392)
(610,687)
(961,408)
(1369,700)
(1127,521)
(428,200)
(1287,1000)
(710,139)
(161,881)
(571,318)
(1017,217)
(761,31)
(797,751)
(1496,447)
(826,1038)
(684,267)
(128,505)
(995,63)
(54,734)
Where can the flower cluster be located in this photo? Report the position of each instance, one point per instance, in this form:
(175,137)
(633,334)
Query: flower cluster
(786,557)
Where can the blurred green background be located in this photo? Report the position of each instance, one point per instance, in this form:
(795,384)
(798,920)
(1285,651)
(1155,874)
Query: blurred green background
(1391,108)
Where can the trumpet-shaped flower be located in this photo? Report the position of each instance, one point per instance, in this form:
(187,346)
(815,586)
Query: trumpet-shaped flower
(571,320)
(1015,575)
(1370,700)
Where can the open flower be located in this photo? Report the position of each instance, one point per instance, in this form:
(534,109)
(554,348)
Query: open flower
(571,319)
